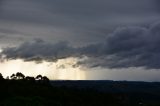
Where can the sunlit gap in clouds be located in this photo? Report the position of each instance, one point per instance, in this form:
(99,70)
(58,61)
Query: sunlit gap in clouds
(62,69)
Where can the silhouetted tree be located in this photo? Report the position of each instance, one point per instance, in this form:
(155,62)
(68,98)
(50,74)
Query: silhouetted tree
(19,75)
(13,76)
(1,77)
(39,77)
(31,79)
(45,79)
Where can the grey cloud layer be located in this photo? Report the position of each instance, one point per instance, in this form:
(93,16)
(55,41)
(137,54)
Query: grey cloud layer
(38,50)
(125,47)
(79,22)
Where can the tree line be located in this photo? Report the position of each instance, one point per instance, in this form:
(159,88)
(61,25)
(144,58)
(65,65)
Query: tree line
(21,76)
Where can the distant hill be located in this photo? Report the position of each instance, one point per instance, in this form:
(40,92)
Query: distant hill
(111,86)
(39,91)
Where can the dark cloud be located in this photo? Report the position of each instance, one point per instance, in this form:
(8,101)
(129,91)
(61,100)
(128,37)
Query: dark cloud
(125,47)
(38,50)
(157,2)
(79,22)
(130,47)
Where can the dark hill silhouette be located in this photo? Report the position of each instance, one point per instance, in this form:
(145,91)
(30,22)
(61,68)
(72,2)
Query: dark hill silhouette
(21,90)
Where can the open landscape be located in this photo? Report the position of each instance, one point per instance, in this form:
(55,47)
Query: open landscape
(79,52)
(39,91)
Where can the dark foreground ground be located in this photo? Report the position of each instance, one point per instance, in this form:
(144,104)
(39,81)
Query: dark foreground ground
(78,93)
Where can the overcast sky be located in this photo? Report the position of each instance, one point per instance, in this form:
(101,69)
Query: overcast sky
(79,22)
(108,34)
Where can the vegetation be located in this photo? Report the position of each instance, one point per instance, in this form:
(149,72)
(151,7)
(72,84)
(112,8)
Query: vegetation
(21,90)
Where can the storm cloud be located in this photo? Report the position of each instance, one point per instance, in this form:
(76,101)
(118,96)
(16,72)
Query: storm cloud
(78,22)
(125,47)
(38,50)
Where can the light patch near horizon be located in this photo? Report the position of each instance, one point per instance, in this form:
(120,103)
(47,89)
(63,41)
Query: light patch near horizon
(60,70)
(124,74)
(64,69)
